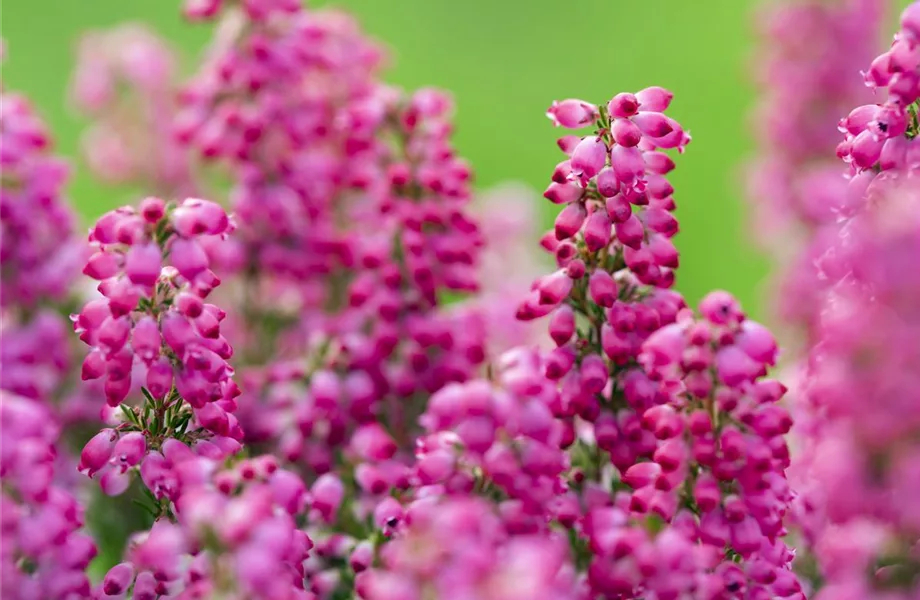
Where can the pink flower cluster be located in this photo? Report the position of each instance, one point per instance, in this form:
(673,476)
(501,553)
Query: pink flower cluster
(37,247)
(879,137)
(285,101)
(859,456)
(862,456)
(670,413)
(43,552)
(807,65)
(154,277)
(35,356)
(619,167)
(234,534)
(808,71)
(124,79)
(507,438)
(457,548)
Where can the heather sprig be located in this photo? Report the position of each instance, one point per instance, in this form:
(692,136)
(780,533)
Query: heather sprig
(124,81)
(152,318)
(857,464)
(39,252)
(43,550)
(678,447)
(806,67)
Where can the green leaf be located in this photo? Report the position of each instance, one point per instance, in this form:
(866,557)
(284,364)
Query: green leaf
(148,395)
(129,414)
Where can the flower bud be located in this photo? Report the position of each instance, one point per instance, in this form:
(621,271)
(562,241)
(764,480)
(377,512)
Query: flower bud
(589,157)
(118,579)
(97,451)
(94,365)
(630,232)
(734,367)
(623,105)
(594,373)
(571,114)
(642,475)
(618,208)
(562,324)
(152,209)
(371,442)
(625,133)
(122,295)
(177,332)
(113,334)
(654,99)
(866,149)
(597,230)
(663,251)
(602,288)
(327,494)
(159,378)
(116,390)
(145,339)
(554,288)
(361,557)
(189,304)
(143,263)
(570,220)
(607,183)
(188,257)
(559,362)
(627,163)
(653,124)
(101,265)
(129,449)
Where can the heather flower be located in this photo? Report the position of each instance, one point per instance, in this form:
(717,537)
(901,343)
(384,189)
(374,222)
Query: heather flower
(39,255)
(874,133)
(670,412)
(43,550)
(507,437)
(154,277)
(641,454)
(351,207)
(35,356)
(277,104)
(852,466)
(234,534)
(388,340)
(859,458)
(124,80)
(808,75)
(460,548)
(805,86)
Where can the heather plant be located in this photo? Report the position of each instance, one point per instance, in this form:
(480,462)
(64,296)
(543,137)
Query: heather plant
(321,367)
(808,68)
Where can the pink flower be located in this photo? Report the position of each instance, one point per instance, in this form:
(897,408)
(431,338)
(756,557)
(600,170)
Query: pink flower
(572,114)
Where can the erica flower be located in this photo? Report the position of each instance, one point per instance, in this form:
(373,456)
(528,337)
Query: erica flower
(670,413)
(154,277)
(234,534)
(860,457)
(124,80)
(39,255)
(44,550)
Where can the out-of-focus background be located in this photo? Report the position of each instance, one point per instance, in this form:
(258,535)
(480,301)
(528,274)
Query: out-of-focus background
(504,61)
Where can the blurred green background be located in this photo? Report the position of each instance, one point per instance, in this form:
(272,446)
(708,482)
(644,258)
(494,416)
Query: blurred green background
(505,61)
